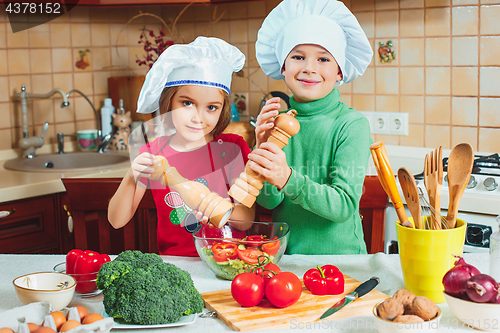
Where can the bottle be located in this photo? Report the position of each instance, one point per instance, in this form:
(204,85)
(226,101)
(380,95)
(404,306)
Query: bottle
(495,253)
(106,119)
(235,116)
(121,109)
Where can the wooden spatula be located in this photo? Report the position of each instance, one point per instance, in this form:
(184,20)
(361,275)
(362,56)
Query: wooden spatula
(460,163)
(409,187)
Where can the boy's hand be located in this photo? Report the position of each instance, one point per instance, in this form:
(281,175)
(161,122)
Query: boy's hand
(265,120)
(142,166)
(270,161)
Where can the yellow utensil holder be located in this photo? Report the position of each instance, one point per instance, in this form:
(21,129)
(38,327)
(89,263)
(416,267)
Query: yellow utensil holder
(426,256)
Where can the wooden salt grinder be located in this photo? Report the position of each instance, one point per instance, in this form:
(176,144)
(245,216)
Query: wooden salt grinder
(195,195)
(247,187)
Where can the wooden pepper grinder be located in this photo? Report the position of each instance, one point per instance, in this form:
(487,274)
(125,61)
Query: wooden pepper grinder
(195,195)
(247,187)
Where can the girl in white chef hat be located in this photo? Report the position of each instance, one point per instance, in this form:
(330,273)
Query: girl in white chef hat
(189,84)
(315,183)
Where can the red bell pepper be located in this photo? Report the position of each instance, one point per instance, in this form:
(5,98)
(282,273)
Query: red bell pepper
(326,280)
(83,266)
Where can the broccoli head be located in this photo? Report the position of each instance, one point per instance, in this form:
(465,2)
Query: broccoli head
(140,288)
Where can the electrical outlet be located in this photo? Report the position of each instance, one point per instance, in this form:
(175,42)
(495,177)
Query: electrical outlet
(389,123)
(380,123)
(399,123)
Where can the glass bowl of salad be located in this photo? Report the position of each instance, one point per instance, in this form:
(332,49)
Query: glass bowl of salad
(240,246)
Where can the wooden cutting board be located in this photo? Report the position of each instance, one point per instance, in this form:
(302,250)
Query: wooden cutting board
(308,308)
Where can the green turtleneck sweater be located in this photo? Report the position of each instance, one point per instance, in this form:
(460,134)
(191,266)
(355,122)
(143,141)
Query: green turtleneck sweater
(328,158)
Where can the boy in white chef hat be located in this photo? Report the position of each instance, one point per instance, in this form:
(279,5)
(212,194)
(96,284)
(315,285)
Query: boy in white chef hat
(189,84)
(315,183)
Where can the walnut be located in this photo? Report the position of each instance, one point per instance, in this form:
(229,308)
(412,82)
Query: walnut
(159,167)
(408,319)
(424,308)
(404,297)
(390,309)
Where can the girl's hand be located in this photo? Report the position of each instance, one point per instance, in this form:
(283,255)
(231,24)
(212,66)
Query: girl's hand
(265,120)
(142,166)
(202,218)
(270,161)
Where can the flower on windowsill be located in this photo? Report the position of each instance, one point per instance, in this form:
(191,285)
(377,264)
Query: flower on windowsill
(153,48)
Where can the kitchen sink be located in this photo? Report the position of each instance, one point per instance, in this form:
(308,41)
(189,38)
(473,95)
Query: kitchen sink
(69,162)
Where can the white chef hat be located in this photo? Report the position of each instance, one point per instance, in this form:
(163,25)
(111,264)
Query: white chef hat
(327,23)
(206,62)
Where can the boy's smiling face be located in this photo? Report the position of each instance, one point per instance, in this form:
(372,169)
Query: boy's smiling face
(310,72)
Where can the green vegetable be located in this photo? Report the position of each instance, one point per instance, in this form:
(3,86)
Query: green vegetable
(140,288)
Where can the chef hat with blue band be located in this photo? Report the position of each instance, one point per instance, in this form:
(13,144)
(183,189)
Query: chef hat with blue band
(327,23)
(204,62)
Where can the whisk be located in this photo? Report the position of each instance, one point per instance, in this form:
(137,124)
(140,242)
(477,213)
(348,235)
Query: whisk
(429,214)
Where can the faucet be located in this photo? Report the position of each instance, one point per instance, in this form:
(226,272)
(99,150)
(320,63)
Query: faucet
(27,143)
(103,140)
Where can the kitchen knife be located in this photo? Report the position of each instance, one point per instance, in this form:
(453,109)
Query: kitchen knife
(360,291)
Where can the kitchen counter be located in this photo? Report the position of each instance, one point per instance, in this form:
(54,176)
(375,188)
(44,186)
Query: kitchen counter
(16,185)
(360,267)
(19,185)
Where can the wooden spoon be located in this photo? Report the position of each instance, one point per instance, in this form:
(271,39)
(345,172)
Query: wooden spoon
(460,163)
(409,187)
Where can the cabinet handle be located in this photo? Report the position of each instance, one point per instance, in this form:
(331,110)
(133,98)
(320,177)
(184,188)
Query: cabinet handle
(5,213)
(70,219)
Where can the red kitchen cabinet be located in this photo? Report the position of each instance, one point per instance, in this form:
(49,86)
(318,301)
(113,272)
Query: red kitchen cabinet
(88,200)
(31,227)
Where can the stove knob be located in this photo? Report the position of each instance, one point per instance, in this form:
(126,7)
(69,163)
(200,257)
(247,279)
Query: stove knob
(446,179)
(490,184)
(472,182)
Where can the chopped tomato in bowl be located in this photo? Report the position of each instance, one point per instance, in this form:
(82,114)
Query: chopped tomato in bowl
(238,246)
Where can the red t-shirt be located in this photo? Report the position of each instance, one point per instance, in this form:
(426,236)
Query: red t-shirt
(215,165)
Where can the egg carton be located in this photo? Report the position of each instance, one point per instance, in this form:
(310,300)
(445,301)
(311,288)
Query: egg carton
(37,312)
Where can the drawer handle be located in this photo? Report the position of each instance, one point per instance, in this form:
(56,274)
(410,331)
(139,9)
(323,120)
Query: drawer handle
(70,219)
(5,213)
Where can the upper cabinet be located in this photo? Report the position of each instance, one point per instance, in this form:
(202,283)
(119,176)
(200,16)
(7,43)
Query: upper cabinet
(150,2)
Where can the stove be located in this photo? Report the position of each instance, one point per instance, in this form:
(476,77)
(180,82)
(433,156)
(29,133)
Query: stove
(479,206)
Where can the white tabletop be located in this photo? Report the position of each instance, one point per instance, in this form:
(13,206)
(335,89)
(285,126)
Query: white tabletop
(359,267)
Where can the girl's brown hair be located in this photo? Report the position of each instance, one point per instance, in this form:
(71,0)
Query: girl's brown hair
(225,116)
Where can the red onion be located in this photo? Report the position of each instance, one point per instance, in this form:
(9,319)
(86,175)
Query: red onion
(482,288)
(496,299)
(454,280)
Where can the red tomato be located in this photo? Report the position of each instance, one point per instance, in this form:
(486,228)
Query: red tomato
(266,274)
(272,248)
(256,240)
(224,251)
(284,289)
(249,255)
(247,289)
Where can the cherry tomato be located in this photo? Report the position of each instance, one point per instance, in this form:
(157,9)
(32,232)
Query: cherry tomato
(284,289)
(224,251)
(272,248)
(249,255)
(247,289)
